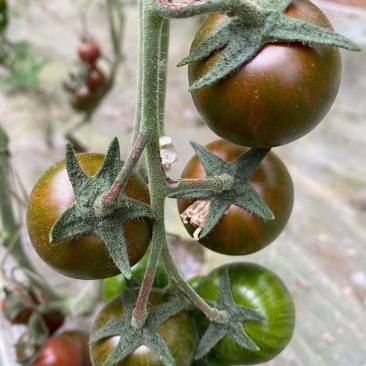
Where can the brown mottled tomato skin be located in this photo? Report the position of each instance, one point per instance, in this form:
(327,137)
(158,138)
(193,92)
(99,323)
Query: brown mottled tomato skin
(81,340)
(95,79)
(277,97)
(178,332)
(239,232)
(85,257)
(59,351)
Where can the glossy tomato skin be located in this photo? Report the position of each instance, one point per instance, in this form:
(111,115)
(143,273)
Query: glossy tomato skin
(81,340)
(82,98)
(278,96)
(94,79)
(178,332)
(262,290)
(239,232)
(59,351)
(89,52)
(85,257)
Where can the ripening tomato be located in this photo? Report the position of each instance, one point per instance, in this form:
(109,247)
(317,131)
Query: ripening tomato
(58,351)
(81,340)
(278,96)
(84,257)
(259,289)
(240,232)
(82,98)
(30,300)
(89,52)
(94,79)
(178,332)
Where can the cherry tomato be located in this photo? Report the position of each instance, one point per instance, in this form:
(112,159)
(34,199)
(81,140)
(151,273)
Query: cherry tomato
(81,339)
(89,52)
(85,257)
(239,232)
(26,299)
(53,320)
(278,96)
(82,98)
(94,79)
(59,351)
(260,289)
(178,332)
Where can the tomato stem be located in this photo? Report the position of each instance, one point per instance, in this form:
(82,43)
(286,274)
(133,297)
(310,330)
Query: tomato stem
(186,10)
(9,224)
(150,116)
(211,313)
(106,202)
(220,183)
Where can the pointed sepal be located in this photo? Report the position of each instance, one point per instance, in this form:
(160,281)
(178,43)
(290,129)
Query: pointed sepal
(241,194)
(240,36)
(233,327)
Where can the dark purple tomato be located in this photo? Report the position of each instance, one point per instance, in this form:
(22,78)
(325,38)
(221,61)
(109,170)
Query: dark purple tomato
(240,232)
(278,96)
(82,98)
(94,79)
(85,257)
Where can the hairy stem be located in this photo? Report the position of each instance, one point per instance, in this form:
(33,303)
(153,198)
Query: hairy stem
(174,273)
(10,227)
(151,92)
(106,202)
(185,9)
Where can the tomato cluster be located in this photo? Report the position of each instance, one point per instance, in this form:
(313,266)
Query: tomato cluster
(85,86)
(21,303)
(276,97)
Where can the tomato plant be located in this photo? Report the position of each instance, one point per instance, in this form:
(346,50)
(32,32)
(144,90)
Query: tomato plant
(260,289)
(89,52)
(178,333)
(278,96)
(85,257)
(257,83)
(239,232)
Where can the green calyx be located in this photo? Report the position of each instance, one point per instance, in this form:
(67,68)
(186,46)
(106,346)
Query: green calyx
(84,217)
(233,327)
(241,193)
(131,337)
(243,33)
